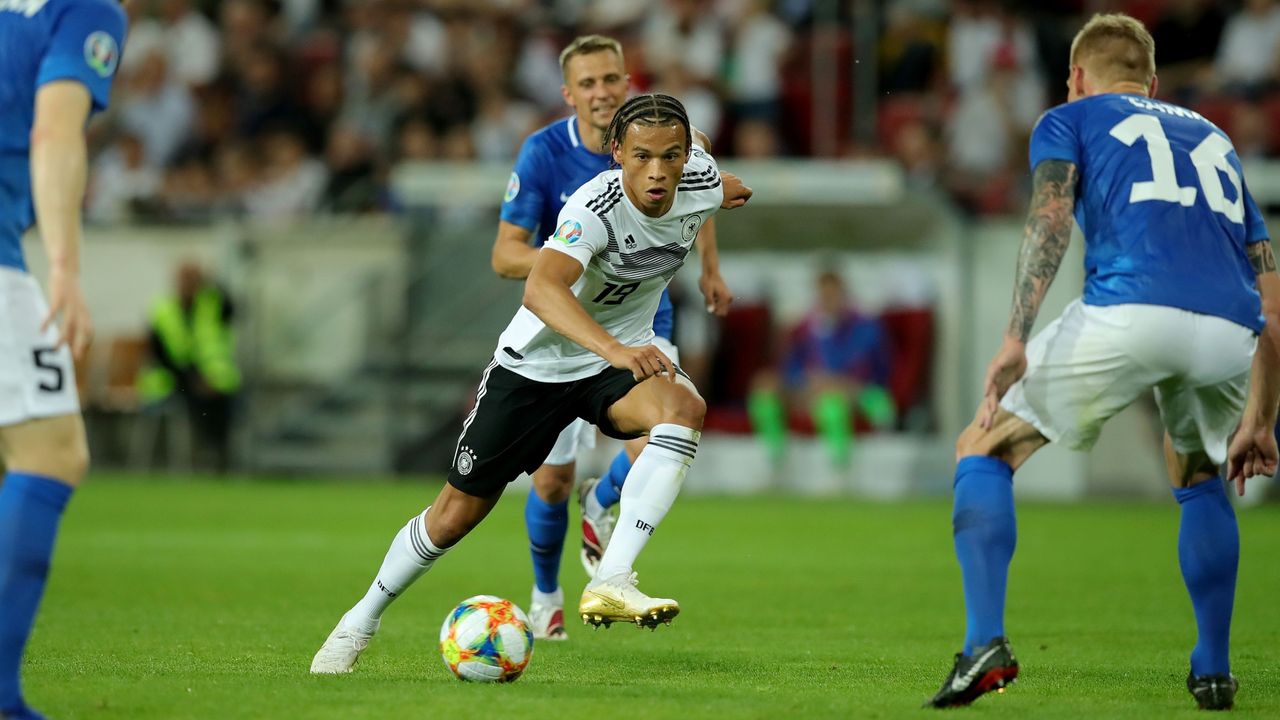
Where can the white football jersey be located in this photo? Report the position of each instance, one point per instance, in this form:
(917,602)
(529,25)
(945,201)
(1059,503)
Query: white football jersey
(627,257)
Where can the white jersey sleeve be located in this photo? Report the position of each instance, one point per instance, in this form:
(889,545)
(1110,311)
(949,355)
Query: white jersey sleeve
(580,233)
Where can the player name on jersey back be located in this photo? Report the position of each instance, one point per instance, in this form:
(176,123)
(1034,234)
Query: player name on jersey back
(1162,203)
(628,259)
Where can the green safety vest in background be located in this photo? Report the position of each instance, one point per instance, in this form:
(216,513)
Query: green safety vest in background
(201,341)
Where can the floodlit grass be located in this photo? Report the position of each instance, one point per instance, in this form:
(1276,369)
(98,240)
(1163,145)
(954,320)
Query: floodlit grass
(204,599)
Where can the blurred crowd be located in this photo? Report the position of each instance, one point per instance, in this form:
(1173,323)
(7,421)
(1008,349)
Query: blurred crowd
(277,108)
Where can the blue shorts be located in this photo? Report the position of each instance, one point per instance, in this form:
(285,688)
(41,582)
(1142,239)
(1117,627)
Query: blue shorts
(664,321)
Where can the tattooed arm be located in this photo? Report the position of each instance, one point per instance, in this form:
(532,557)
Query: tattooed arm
(1044,241)
(1253,450)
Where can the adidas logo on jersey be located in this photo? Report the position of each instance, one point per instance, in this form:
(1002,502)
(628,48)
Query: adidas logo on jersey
(629,242)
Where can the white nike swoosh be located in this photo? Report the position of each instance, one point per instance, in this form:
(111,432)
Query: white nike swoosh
(960,682)
(564,198)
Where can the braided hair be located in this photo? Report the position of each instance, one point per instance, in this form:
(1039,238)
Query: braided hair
(652,110)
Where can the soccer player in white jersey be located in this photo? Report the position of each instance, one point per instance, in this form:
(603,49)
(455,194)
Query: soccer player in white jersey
(57,61)
(581,346)
(553,163)
(1181,287)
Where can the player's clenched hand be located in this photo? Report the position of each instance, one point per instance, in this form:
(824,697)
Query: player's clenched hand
(735,193)
(68,308)
(1253,452)
(717,294)
(1007,368)
(644,361)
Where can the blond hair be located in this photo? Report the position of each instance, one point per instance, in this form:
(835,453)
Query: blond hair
(1115,48)
(586,45)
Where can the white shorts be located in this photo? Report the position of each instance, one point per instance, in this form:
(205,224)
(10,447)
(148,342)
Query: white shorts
(1093,361)
(36,380)
(580,433)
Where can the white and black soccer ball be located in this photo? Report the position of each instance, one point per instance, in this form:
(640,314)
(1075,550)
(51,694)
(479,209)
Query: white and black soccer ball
(486,639)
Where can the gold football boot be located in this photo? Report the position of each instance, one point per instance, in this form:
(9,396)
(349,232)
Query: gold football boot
(617,599)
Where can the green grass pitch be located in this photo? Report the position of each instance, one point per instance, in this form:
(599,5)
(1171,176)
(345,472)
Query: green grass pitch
(198,599)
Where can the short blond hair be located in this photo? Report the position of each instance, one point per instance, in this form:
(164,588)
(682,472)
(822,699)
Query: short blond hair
(586,45)
(1116,48)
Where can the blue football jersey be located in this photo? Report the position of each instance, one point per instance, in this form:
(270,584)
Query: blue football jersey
(552,164)
(1162,203)
(42,41)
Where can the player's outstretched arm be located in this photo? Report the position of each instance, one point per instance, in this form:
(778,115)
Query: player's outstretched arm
(513,256)
(59,168)
(1045,238)
(548,294)
(1253,449)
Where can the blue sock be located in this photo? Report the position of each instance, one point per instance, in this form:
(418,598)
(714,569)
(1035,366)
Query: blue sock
(985,534)
(1209,553)
(547,524)
(609,489)
(30,508)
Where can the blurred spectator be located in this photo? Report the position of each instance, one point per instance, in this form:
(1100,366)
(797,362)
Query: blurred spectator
(1247,57)
(836,364)
(291,183)
(456,144)
(918,147)
(755,140)
(263,96)
(502,122)
(322,101)
(353,185)
(122,182)
(236,169)
(537,71)
(156,108)
(1187,36)
(758,46)
(193,362)
(190,192)
(246,25)
(910,48)
(699,101)
(682,38)
(192,44)
(416,141)
(1250,132)
(988,133)
(460,80)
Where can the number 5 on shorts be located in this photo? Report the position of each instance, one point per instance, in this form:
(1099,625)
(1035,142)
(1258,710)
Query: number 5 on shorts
(49,367)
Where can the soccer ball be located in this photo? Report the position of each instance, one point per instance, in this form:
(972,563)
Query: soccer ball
(486,639)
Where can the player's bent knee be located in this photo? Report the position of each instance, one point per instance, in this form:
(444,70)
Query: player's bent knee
(685,407)
(971,442)
(553,483)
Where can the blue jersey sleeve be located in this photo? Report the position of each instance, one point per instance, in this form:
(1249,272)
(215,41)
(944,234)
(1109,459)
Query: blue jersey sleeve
(1054,138)
(526,192)
(1255,228)
(85,46)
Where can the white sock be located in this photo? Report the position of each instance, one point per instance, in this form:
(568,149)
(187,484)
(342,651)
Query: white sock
(552,598)
(410,556)
(591,507)
(650,490)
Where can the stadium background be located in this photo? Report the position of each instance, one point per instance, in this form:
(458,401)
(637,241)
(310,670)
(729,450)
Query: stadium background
(337,166)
